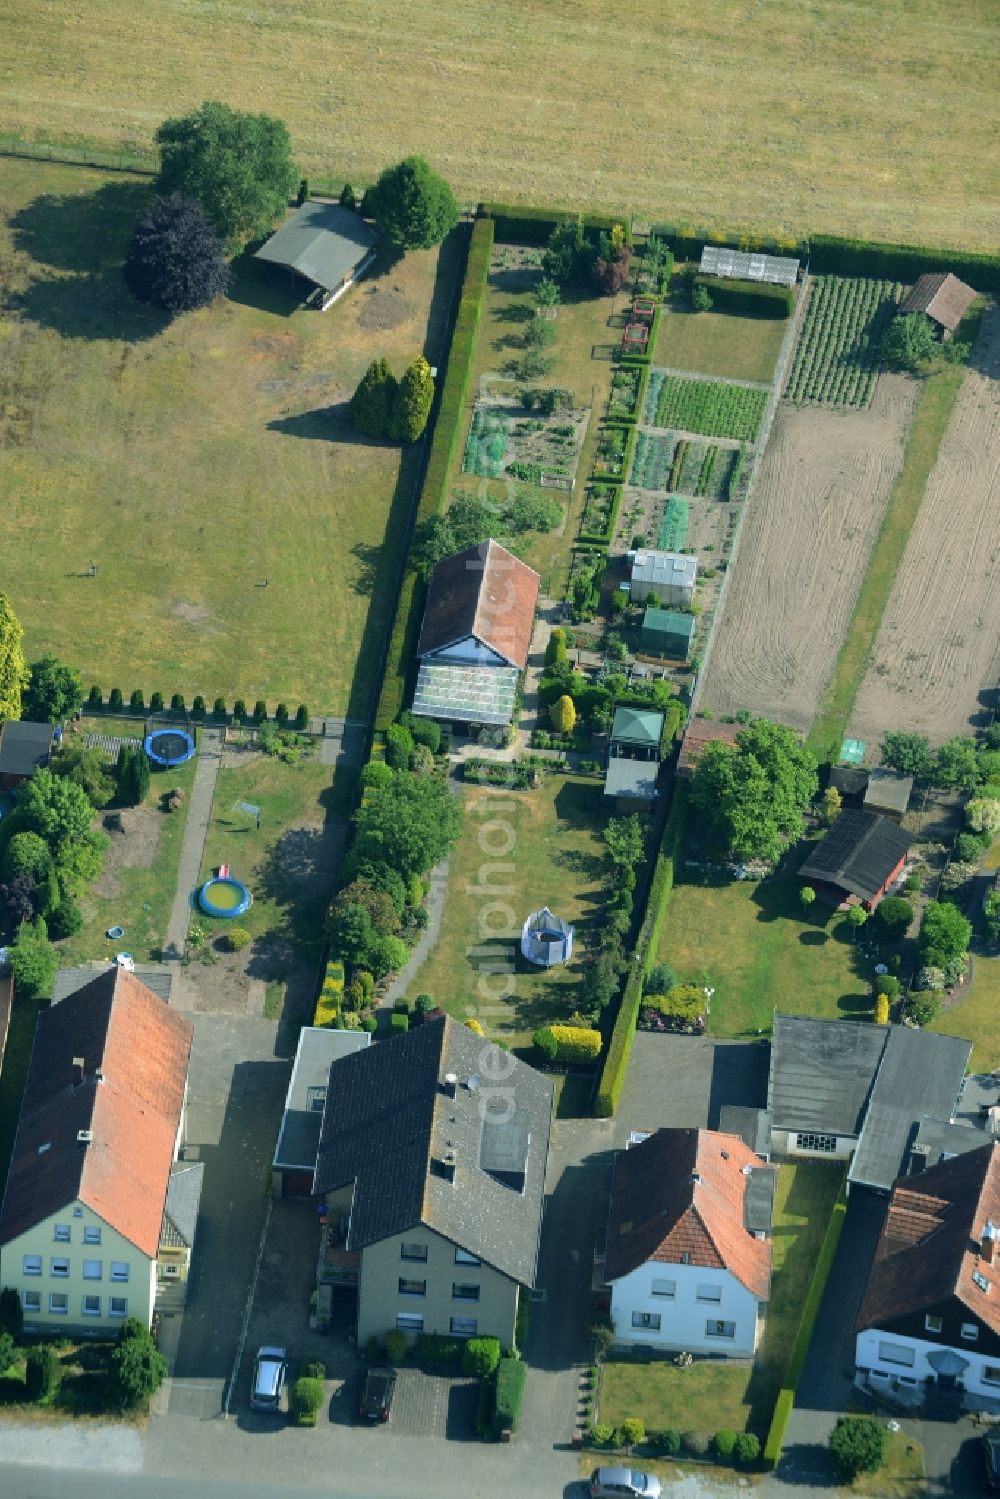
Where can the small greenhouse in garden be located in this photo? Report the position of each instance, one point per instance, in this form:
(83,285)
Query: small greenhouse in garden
(546,939)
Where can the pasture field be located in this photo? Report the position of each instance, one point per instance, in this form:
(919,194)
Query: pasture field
(815,512)
(788,116)
(192,460)
(937,652)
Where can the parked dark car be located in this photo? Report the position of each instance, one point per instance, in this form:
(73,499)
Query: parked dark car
(991,1455)
(376,1397)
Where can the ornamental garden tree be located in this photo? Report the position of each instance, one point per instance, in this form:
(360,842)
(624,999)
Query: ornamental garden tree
(412,206)
(238,166)
(175,260)
(412,406)
(373,402)
(909,342)
(908,753)
(752,794)
(857,1445)
(54,692)
(14,675)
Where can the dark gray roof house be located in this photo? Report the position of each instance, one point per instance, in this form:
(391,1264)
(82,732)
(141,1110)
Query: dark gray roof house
(24,748)
(180,1213)
(426,1136)
(919,1073)
(859,857)
(822,1073)
(294,1163)
(157,977)
(935,1140)
(324,245)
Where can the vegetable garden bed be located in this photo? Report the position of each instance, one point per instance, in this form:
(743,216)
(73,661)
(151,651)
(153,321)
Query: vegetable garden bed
(507,440)
(836,362)
(674,525)
(685,467)
(624,399)
(706,406)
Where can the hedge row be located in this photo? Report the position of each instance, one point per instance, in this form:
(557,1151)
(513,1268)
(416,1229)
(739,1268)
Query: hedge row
(748,296)
(620,1049)
(533,226)
(604,538)
(330,1003)
(644,360)
(434,493)
(199,707)
(509,1393)
(803,1337)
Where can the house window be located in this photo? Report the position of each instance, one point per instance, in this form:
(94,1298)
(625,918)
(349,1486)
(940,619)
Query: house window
(118,1306)
(31,1301)
(413,1251)
(970,1332)
(686,1257)
(119,1270)
(463,1257)
(92,1306)
(708,1293)
(92,1234)
(932,1324)
(412,1287)
(464,1327)
(32,1264)
(991,1374)
(815,1142)
(896,1353)
(61,1233)
(649,1320)
(58,1303)
(714,1329)
(664,1288)
(93,1269)
(462,1292)
(58,1266)
(78,1212)
(409,1322)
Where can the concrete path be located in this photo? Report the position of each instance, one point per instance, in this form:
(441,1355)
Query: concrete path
(193,847)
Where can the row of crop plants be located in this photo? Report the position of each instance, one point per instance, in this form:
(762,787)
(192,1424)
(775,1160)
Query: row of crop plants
(837,359)
(709,407)
(684,467)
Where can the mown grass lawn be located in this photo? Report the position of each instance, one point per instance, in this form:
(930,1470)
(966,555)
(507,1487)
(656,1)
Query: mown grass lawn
(556,856)
(900,1475)
(754,944)
(712,1395)
(137,897)
(286,863)
(976,1017)
(192,460)
(720,343)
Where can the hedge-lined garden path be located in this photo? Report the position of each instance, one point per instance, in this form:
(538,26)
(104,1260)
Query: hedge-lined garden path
(195,833)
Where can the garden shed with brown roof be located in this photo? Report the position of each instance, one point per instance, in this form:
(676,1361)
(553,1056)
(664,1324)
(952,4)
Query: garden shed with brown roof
(943,298)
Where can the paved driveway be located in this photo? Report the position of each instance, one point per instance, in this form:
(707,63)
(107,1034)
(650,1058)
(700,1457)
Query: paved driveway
(236,1095)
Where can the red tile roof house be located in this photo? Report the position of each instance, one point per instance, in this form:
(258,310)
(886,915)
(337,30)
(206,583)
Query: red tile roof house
(929,1320)
(475,636)
(87,1205)
(688,1257)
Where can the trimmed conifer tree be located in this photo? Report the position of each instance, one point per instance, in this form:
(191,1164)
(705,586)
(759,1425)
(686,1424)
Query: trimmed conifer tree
(372,405)
(414,398)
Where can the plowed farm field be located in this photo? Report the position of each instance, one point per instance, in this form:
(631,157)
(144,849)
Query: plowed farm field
(815,511)
(936,660)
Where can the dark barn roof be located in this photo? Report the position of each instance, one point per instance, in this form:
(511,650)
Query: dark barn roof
(858,854)
(321,242)
(390,1125)
(24,747)
(822,1072)
(920,1073)
(485,592)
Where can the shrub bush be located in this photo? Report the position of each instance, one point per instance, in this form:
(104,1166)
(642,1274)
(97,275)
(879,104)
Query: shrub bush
(747,1449)
(969,848)
(893,916)
(177,703)
(633,1431)
(857,1445)
(756,297)
(115,698)
(435,1351)
(921,1007)
(373,1350)
(237,938)
(137,701)
(219,707)
(669,1442)
(156,702)
(239,710)
(398,747)
(395,1345)
(306,1399)
(568,1043)
(509,1393)
(398,1023)
(481,1356)
(41,1371)
(723,1444)
(696,1442)
(312,1368)
(602,1434)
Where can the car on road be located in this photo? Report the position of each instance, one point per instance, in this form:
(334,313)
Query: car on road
(376,1397)
(623,1483)
(270,1370)
(991,1456)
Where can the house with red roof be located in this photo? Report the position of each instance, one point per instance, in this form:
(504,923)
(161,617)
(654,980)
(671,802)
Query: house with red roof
(688,1251)
(94,1213)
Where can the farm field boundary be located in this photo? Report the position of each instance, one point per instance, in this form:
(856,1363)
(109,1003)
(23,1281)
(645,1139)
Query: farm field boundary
(936,402)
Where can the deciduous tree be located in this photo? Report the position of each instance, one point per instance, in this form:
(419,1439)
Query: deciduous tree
(412,205)
(957,764)
(238,166)
(563,714)
(14,675)
(89,768)
(857,1445)
(57,809)
(909,342)
(54,691)
(410,825)
(33,960)
(176,259)
(752,794)
(136,1369)
(908,753)
(893,916)
(944,938)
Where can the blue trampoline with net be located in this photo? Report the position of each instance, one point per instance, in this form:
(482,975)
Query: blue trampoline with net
(169,747)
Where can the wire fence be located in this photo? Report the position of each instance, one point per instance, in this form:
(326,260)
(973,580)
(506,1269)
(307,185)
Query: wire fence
(147,163)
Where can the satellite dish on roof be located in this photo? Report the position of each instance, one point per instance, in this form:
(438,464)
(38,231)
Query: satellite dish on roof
(474,1082)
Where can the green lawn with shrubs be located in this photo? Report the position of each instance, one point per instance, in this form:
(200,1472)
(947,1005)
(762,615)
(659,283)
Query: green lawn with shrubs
(712,1395)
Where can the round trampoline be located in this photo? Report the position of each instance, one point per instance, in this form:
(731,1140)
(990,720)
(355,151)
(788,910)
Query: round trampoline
(224,896)
(169,747)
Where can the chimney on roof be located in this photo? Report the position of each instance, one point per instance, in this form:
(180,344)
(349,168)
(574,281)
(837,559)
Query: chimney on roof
(84,1137)
(79,1067)
(450,1084)
(99,1075)
(446,1166)
(988,1247)
(695,1179)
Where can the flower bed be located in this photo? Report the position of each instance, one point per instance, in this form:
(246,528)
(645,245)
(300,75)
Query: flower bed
(652,1019)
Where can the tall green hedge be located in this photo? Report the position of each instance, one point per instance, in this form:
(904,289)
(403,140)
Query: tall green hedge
(520,225)
(831,254)
(620,1048)
(803,1336)
(509,1393)
(748,296)
(401,657)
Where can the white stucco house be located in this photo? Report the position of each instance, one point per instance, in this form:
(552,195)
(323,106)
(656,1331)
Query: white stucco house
(95,1217)
(929,1320)
(688,1253)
